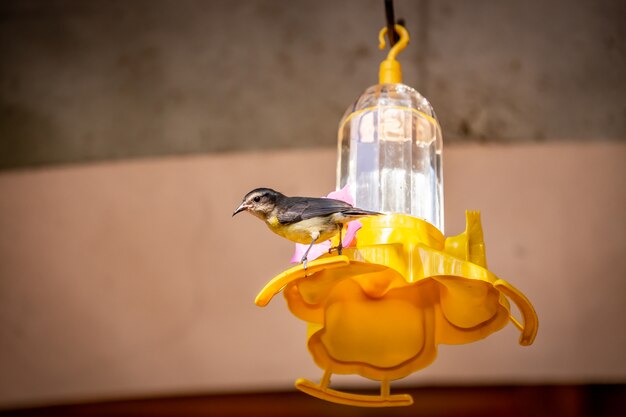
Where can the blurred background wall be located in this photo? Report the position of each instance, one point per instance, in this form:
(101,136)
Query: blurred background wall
(129,131)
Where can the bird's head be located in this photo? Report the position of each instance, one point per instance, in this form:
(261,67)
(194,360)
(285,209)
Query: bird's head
(259,202)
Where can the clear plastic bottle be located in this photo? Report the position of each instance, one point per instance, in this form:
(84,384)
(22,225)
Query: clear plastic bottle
(389,153)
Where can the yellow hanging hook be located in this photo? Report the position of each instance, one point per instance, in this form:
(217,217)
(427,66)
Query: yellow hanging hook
(399,46)
(390,69)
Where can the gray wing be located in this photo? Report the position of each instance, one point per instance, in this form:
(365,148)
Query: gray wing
(295,209)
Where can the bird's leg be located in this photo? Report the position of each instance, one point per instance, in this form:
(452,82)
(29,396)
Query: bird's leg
(304,258)
(340,246)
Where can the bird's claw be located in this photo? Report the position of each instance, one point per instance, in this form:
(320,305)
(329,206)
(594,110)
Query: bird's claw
(339,250)
(304,262)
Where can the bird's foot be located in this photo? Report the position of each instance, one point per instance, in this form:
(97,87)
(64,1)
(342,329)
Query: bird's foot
(339,249)
(304,262)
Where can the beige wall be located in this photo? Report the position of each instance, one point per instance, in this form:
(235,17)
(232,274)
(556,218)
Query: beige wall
(132,278)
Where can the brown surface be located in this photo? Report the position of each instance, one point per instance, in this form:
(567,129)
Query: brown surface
(127,280)
(510,401)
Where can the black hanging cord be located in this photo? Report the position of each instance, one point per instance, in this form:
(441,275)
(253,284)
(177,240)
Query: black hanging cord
(391,20)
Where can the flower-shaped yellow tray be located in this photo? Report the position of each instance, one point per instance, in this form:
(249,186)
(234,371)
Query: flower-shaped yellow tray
(381,309)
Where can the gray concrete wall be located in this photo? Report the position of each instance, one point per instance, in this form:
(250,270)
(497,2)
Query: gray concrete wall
(93,80)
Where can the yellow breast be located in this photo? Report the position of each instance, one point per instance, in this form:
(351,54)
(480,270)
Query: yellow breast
(303,231)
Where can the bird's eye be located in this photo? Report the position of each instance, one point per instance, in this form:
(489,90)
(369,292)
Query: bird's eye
(257,199)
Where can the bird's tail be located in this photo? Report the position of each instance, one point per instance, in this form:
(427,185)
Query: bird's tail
(360,212)
(356,213)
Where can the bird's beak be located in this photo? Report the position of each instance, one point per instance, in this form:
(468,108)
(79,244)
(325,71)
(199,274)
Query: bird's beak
(241,208)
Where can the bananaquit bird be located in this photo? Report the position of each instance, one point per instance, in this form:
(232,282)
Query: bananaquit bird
(305,220)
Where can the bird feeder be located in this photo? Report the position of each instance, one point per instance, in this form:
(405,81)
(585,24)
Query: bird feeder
(401,287)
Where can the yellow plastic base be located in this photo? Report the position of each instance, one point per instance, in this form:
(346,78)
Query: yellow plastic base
(347,398)
(381,309)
